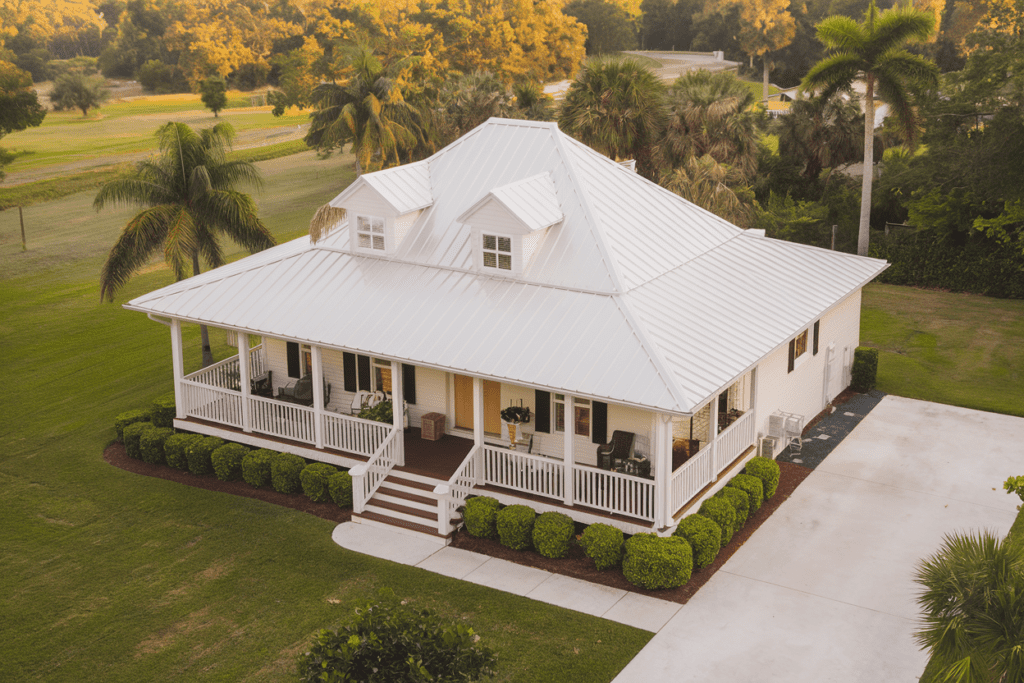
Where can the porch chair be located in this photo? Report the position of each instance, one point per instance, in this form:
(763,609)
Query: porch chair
(618,450)
(360,400)
(301,391)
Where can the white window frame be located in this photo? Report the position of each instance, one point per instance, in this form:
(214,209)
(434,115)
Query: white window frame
(558,400)
(370,234)
(497,252)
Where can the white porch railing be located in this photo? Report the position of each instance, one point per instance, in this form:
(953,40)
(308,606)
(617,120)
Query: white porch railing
(738,437)
(614,492)
(367,477)
(692,476)
(257,361)
(451,495)
(287,420)
(212,403)
(524,472)
(354,434)
(222,374)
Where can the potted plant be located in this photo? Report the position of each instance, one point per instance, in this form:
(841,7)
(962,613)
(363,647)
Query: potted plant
(513,416)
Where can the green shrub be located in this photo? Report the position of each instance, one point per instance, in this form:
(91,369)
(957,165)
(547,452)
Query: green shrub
(200,454)
(394,641)
(722,513)
(382,412)
(552,534)
(340,486)
(865,369)
(754,488)
(767,470)
(130,417)
(739,500)
(704,537)
(314,478)
(256,467)
(151,444)
(164,411)
(481,515)
(176,449)
(227,461)
(132,435)
(515,526)
(285,469)
(603,544)
(655,563)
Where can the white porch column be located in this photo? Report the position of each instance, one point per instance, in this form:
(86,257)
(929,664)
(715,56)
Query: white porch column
(713,428)
(663,470)
(753,401)
(569,458)
(398,409)
(243,378)
(318,395)
(478,427)
(178,366)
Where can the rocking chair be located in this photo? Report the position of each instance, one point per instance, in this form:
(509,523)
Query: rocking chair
(617,452)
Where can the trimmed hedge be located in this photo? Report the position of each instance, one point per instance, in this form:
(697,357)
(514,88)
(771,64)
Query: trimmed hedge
(655,563)
(285,469)
(256,467)
(127,418)
(200,454)
(722,513)
(176,449)
(739,500)
(151,444)
(753,487)
(163,411)
(340,486)
(132,435)
(704,537)
(864,374)
(767,470)
(481,515)
(227,461)
(603,544)
(314,479)
(552,534)
(515,526)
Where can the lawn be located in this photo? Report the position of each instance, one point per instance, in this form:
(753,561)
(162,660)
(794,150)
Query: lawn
(959,349)
(110,576)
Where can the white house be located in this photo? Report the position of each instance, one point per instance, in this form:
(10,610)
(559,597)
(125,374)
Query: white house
(519,267)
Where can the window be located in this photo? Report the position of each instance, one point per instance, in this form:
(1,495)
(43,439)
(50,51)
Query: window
(800,345)
(307,360)
(581,415)
(370,232)
(382,375)
(497,252)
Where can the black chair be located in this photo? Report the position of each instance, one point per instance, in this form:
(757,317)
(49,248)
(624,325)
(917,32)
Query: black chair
(617,451)
(301,391)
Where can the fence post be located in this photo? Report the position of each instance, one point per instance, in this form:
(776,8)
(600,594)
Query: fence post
(21,217)
(443,493)
(358,474)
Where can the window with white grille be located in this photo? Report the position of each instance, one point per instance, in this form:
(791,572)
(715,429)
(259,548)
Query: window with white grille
(497,252)
(370,232)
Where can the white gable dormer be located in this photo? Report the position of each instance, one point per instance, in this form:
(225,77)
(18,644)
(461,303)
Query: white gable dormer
(508,224)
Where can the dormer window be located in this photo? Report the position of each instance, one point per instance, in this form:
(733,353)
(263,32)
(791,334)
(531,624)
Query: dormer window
(497,252)
(370,233)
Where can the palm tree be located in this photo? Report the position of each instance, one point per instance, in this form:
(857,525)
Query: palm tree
(873,52)
(820,133)
(616,105)
(973,604)
(367,110)
(189,199)
(712,186)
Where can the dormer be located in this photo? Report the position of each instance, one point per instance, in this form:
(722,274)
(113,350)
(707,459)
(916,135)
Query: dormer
(383,206)
(508,224)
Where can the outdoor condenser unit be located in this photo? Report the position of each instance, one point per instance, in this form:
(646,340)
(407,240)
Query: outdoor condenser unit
(766,446)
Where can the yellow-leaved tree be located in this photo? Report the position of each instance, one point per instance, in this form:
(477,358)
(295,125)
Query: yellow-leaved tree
(765,25)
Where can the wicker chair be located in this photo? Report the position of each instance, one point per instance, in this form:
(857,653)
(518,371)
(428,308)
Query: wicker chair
(617,451)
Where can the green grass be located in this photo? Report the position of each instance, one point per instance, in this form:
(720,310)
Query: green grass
(757,87)
(111,576)
(959,349)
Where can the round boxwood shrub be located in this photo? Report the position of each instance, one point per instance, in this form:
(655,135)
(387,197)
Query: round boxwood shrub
(754,488)
(151,444)
(739,500)
(200,454)
(125,419)
(314,480)
(176,449)
(767,470)
(552,534)
(481,515)
(132,436)
(256,467)
(603,544)
(163,412)
(656,563)
(515,526)
(227,461)
(704,537)
(340,486)
(285,469)
(722,513)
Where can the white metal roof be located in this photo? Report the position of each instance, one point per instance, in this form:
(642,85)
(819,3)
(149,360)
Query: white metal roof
(405,188)
(532,202)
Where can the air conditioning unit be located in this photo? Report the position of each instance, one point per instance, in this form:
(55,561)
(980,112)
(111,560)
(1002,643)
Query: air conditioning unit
(767,446)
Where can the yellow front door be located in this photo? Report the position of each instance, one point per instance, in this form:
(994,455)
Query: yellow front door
(464,404)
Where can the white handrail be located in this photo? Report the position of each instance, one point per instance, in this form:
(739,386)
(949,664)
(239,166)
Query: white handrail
(736,438)
(212,403)
(257,361)
(624,494)
(367,477)
(222,374)
(524,472)
(453,493)
(354,434)
(692,476)
(287,420)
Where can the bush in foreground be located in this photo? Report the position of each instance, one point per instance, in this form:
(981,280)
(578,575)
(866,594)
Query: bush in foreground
(481,515)
(552,534)
(340,486)
(656,563)
(151,444)
(864,373)
(603,544)
(132,437)
(515,526)
(739,500)
(753,487)
(200,454)
(768,471)
(314,479)
(176,449)
(163,411)
(256,467)
(704,537)
(227,461)
(722,513)
(285,469)
(127,418)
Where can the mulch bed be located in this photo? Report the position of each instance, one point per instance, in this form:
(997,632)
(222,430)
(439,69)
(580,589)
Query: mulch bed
(116,456)
(579,566)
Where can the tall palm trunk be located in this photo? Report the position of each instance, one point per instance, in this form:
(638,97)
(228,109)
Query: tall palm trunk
(864,234)
(765,59)
(203,332)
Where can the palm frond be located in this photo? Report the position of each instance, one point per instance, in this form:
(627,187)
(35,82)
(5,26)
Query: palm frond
(236,215)
(900,25)
(181,241)
(832,74)
(324,221)
(841,33)
(134,190)
(138,241)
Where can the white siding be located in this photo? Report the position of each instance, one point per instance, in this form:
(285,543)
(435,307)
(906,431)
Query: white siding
(494,218)
(402,225)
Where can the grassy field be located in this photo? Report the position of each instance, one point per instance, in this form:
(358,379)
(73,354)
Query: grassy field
(960,349)
(110,576)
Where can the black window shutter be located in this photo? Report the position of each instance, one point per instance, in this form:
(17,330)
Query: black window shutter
(348,361)
(293,359)
(542,411)
(409,383)
(600,423)
(792,354)
(364,373)
(814,349)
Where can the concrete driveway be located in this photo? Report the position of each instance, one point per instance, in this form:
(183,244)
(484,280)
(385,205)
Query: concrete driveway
(824,590)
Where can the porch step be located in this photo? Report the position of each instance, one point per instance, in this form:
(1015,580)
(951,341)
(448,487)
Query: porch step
(374,518)
(413,480)
(402,511)
(404,497)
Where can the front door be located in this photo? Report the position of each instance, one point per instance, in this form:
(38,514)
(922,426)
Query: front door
(464,404)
